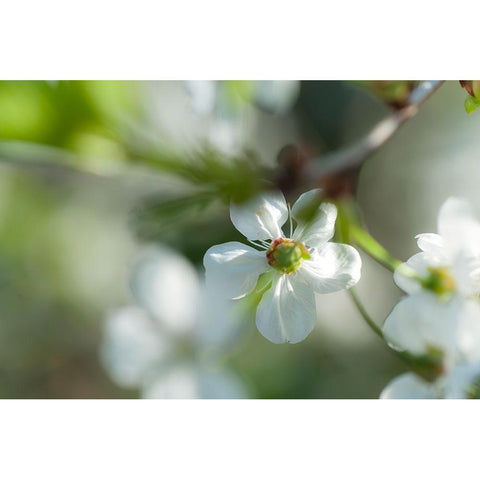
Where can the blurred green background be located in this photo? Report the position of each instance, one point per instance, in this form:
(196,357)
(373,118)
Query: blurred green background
(91,171)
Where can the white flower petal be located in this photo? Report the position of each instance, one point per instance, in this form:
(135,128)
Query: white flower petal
(232,268)
(421,321)
(192,381)
(167,286)
(466,272)
(468,331)
(420,263)
(461,379)
(219,323)
(316,229)
(178,383)
(306,202)
(459,228)
(433,245)
(203,95)
(277,96)
(220,384)
(333,267)
(132,346)
(262,217)
(286,313)
(409,386)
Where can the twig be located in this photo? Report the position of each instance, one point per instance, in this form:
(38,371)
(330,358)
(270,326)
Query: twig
(363,312)
(382,132)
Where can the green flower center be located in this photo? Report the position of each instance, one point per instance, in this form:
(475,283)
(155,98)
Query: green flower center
(439,281)
(286,255)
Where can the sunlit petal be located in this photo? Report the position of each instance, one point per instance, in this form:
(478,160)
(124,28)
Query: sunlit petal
(286,313)
(422,321)
(333,268)
(409,386)
(261,217)
(314,228)
(232,268)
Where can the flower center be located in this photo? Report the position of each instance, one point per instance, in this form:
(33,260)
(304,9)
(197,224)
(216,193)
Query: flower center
(439,281)
(286,255)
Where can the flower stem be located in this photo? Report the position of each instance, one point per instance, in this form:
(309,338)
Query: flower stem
(363,312)
(426,366)
(370,246)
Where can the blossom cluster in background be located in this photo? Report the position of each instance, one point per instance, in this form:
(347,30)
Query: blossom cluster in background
(169,344)
(438,322)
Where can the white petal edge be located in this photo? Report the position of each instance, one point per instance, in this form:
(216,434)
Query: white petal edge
(419,263)
(432,244)
(180,382)
(232,268)
(459,227)
(468,331)
(261,217)
(305,201)
(320,228)
(287,311)
(160,281)
(460,379)
(420,321)
(334,267)
(132,346)
(188,381)
(408,386)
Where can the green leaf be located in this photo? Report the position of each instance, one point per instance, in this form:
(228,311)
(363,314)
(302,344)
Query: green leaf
(471,104)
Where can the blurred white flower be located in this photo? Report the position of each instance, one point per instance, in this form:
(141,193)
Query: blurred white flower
(463,382)
(170,344)
(439,321)
(297,266)
(443,331)
(276,96)
(450,260)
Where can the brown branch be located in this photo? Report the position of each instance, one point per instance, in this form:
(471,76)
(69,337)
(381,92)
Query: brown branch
(355,155)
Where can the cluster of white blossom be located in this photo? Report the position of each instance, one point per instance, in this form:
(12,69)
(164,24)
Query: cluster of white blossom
(169,344)
(438,323)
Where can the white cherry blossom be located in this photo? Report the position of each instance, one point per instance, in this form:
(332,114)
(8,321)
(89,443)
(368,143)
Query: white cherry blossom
(423,323)
(439,319)
(169,343)
(452,254)
(297,266)
(463,382)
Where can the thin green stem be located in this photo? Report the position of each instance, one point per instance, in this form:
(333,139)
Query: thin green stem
(427,366)
(370,246)
(363,312)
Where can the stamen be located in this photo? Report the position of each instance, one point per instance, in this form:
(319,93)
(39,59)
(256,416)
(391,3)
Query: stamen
(258,245)
(290,219)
